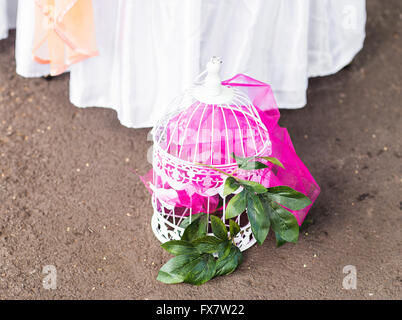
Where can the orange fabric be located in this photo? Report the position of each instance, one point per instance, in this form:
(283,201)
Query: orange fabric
(64,33)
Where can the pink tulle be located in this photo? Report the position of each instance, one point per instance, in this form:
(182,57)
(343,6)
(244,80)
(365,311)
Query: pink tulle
(222,137)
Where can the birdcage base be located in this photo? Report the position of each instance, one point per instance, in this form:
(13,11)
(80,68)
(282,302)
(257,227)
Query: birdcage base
(165,230)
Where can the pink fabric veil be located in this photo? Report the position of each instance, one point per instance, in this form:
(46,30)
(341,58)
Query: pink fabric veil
(215,148)
(295,174)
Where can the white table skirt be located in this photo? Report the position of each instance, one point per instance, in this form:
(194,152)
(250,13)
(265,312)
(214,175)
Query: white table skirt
(151,50)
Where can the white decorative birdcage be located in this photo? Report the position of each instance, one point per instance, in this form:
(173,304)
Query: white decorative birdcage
(205,126)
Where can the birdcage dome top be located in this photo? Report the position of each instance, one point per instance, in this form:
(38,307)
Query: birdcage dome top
(210,122)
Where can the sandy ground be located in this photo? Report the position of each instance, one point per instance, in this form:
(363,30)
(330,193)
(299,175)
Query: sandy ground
(68,197)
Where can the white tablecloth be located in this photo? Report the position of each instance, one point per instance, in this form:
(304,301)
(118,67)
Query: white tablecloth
(151,50)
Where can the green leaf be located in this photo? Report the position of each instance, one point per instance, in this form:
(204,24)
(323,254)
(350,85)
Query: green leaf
(175,270)
(273,160)
(224,249)
(230,262)
(253,165)
(202,269)
(219,228)
(254,186)
(234,228)
(279,241)
(177,247)
(241,161)
(236,205)
(258,218)
(248,163)
(186,221)
(197,229)
(230,186)
(284,223)
(194,269)
(267,207)
(288,197)
(207,244)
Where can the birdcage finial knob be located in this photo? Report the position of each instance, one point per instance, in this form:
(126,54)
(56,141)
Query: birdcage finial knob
(212,91)
(213,80)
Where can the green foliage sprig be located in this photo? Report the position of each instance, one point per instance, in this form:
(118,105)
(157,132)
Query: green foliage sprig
(200,257)
(194,260)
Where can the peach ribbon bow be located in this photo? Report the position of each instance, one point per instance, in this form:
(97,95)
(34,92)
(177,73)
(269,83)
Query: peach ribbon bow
(64,33)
